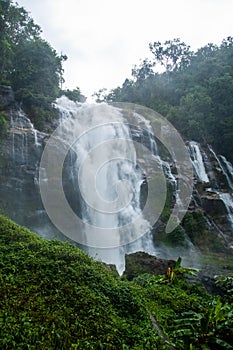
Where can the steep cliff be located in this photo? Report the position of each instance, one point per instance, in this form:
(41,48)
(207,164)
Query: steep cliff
(207,226)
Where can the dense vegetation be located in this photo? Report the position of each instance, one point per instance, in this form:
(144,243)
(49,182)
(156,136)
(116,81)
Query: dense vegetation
(194,90)
(29,64)
(53,296)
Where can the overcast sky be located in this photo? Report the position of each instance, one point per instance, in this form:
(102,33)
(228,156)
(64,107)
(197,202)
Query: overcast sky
(103,39)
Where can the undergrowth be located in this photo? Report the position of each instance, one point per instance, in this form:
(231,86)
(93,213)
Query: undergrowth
(53,296)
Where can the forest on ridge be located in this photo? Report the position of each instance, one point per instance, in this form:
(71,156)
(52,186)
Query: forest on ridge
(30,65)
(53,295)
(194,91)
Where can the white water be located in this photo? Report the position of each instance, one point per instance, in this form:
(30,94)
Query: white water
(109,181)
(20,125)
(197,161)
(13,137)
(146,126)
(228,202)
(227,169)
(35,132)
(223,168)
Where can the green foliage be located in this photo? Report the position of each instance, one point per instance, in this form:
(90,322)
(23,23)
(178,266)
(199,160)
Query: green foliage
(173,54)
(167,206)
(53,296)
(195,225)
(176,237)
(16,26)
(194,92)
(225,283)
(190,317)
(3,125)
(100,95)
(178,271)
(74,95)
(29,64)
(36,77)
(207,329)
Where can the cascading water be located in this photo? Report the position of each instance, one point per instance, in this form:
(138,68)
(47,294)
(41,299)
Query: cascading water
(20,125)
(226,197)
(227,169)
(198,162)
(228,201)
(105,170)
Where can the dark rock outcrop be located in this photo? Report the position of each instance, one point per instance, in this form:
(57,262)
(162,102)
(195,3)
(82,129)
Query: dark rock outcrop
(140,262)
(21,152)
(213,205)
(7,96)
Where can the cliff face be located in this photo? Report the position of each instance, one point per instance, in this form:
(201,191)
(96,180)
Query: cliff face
(215,194)
(21,153)
(20,195)
(7,97)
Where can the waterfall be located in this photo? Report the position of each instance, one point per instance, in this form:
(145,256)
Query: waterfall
(227,170)
(20,125)
(147,138)
(102,162)
(224,165)
(35,132)
(13,136)
(198,162)
(105,181)
(104,155)
(228,202)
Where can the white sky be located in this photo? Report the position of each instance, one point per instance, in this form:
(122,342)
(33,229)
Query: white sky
(103,39)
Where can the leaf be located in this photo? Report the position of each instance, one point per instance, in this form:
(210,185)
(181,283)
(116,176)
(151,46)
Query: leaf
(223,343)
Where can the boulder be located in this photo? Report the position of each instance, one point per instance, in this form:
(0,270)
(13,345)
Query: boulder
(141,262)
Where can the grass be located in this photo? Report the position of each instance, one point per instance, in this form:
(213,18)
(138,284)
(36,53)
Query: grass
(54,296)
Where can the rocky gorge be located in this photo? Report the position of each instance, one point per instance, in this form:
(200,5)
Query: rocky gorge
(207,228)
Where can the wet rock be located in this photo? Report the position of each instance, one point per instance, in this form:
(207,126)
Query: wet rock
(21,152)
(141,262)
(213,205)
(6,95)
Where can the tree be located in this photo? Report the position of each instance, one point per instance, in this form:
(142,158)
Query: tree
(173,54)
(194,92)
(37,67)
(28,63)
(15,27)
(5,49)
(143,71)
(100,95)
(74,95)
(36,77)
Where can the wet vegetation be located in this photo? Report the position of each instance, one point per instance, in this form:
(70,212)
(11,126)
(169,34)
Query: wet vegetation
(53,296)
(193,91)
(30,65)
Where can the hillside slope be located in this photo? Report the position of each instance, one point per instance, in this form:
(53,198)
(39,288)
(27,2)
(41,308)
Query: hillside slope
(53,296)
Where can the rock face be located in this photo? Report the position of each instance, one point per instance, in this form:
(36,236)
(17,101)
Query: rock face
(20,195)
(213,205)
(7,97)
(141,262)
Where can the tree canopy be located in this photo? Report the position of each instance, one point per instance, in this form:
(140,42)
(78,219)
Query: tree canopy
(194,90)
(29,64)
